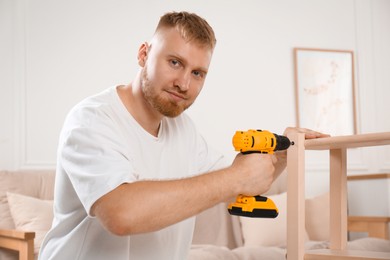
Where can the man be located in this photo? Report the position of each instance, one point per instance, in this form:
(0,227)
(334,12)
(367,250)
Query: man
(133,171)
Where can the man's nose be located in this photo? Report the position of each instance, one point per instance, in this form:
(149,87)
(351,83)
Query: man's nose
(183,81)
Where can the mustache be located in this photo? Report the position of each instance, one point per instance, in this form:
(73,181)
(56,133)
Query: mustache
(177,92)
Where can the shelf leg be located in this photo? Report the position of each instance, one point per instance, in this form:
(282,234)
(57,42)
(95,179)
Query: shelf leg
(338,199)
(296,198)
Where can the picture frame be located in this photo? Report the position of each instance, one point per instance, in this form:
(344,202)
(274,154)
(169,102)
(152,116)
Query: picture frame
(325,90)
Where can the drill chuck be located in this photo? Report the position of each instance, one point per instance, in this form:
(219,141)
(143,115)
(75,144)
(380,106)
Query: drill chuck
(282,142)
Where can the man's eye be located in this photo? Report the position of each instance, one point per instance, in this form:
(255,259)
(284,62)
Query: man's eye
(175,63)
(199,74)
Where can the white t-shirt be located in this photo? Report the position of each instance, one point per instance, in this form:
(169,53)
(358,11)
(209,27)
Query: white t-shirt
(102,146)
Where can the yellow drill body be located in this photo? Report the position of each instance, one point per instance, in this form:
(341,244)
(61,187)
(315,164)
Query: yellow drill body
(256,141)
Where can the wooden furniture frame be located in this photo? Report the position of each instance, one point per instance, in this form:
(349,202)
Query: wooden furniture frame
(20,241)
(337,147)
(374,226)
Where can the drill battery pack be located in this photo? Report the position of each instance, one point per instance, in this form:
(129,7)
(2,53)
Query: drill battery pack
(254,207)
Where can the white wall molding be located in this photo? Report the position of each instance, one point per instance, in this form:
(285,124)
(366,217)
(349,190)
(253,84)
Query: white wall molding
(22,160)
(365,65)
(20,83)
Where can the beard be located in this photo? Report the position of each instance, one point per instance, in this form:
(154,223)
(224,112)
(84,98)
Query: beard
(163,105)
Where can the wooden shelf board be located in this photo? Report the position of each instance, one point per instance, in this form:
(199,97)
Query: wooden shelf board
(348,141)
(368,176)
(16,234)
(369,219)
(322,254)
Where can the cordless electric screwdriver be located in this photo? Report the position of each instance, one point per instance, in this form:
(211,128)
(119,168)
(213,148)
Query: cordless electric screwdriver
(256,141)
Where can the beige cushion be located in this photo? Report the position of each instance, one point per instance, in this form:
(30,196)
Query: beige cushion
(211,252)
(318,217)
(273,232)
(370,244)
(260,253)
(267,231)
(31,214)
(34,183)
(216,227)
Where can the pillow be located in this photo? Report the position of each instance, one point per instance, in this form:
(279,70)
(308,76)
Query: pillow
(267,231)
(317,217)
(370,244)
(210,252)
(31,214)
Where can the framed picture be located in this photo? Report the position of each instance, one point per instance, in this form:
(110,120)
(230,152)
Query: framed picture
(325,90)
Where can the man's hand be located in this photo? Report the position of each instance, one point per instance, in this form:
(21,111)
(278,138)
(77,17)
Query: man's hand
(309,134)
(254,173)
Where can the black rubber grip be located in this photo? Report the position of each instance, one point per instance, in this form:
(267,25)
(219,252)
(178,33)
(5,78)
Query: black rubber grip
(256,213)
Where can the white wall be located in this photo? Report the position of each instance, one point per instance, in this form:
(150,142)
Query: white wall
(54,53)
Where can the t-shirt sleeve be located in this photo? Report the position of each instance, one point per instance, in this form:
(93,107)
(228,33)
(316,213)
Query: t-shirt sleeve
(93,156)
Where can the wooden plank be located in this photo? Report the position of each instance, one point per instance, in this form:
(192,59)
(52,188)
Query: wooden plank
(9,243)
(17,234)
(348,141)
(296,198)
(369,219)
(338,199)
(20,241)
(326,254)
(24,247)
(26,250)
(374,226)
(368,176)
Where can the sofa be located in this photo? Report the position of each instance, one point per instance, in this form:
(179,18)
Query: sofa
(26,213)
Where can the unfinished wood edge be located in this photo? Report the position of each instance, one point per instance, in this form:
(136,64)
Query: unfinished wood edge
(369,219)
(325,254)
(348,141)
(16,244)
(26,250)
(368,176)
(338,199)
(17,234)
(296,198)
(375,226)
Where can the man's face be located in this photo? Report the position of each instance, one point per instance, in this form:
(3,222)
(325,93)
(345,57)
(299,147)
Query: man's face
(174,72)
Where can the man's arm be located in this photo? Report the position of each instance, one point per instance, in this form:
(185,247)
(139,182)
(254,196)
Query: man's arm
(147,206)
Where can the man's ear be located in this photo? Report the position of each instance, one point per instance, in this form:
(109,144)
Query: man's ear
(142,54)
